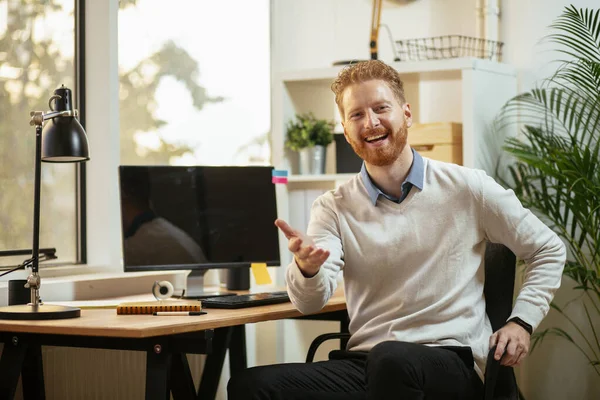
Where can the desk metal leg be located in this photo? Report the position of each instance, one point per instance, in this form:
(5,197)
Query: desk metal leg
(11,363)
(182,382)
(237,350)
(158,364)
(214,364)
(33,374)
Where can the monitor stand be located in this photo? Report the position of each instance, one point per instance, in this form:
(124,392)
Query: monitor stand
(195,287)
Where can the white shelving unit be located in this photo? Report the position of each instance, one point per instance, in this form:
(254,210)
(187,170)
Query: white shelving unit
(406,68)
(319,178)
(326,181)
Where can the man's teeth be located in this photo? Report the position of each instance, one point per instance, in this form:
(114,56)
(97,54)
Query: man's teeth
(372,138)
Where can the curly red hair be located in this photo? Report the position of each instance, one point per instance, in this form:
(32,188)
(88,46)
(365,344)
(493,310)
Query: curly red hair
(365,71)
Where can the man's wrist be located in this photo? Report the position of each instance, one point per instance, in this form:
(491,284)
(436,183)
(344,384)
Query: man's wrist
(303,272)
(522,324)
(306,275)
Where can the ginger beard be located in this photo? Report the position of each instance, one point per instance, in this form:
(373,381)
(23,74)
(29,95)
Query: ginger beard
(381,154)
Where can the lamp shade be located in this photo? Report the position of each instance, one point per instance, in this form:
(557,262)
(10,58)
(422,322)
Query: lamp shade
(64,141)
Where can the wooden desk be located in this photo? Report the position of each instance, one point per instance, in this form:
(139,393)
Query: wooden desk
(165,340)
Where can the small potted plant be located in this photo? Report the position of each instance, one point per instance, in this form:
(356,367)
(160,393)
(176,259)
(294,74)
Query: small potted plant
(310,137)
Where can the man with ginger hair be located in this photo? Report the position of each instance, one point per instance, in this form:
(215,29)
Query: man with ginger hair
(409,234)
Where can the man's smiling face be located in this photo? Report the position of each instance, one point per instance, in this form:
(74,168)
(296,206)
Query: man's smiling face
(375,123)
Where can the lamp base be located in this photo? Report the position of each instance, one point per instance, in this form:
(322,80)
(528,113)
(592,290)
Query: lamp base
(28,312)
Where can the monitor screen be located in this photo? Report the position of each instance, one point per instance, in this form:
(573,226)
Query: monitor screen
(198,217)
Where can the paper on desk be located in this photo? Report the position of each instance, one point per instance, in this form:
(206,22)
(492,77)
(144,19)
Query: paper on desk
(261,274)
(111,303)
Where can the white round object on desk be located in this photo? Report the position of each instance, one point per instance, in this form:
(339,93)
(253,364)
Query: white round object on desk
(162,290)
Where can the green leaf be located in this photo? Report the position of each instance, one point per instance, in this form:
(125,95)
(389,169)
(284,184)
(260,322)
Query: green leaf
(306,131)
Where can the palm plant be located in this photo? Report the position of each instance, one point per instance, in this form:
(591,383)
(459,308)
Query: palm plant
(556,170)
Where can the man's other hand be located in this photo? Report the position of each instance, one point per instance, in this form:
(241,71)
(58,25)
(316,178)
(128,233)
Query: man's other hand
(515,340)
(308,257)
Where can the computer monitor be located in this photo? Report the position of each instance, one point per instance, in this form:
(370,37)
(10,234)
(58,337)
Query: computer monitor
(197,218)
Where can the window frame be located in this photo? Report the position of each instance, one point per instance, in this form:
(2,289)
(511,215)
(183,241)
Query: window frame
(80,168)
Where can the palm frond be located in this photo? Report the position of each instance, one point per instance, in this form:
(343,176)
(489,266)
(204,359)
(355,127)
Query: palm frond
(555,168)
(578,30)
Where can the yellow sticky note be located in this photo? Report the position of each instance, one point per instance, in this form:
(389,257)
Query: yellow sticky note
(261,274)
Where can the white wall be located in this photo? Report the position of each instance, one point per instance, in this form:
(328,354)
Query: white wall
(315,33)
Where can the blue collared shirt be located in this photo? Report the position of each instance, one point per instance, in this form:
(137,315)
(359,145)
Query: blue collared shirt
(416,176)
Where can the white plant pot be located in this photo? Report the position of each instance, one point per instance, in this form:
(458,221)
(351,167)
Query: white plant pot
(312,160)
(304,161)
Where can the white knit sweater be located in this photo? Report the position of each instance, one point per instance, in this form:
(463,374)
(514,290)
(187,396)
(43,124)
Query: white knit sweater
(414,271)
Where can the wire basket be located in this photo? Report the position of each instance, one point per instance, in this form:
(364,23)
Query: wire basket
(450,46)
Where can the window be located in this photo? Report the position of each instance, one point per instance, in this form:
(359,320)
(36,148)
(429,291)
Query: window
(37,55)
(194,82)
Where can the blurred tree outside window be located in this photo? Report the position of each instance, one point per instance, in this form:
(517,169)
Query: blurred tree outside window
(194,82)
(37,53)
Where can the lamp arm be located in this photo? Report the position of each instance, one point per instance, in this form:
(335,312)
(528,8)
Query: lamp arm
(38,117)
(375,18)
(33,280)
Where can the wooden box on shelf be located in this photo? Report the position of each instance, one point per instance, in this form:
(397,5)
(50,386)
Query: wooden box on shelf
(439,141)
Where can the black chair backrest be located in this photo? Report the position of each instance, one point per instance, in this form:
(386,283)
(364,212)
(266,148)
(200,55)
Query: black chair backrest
(498,289)
(499,283)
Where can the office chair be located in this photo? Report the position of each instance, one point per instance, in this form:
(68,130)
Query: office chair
(500,262)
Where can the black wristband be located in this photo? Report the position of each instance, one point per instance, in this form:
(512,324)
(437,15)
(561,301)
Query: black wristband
(522,324)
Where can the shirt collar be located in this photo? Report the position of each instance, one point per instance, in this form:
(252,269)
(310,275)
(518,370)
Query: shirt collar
(416,177)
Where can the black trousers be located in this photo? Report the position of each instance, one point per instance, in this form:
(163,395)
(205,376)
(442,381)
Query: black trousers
(391,370)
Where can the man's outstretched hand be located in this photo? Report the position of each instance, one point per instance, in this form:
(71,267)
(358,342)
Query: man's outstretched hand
(515,340)
(308,257)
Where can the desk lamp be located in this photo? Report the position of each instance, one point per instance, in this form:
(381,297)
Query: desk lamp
(64,141)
